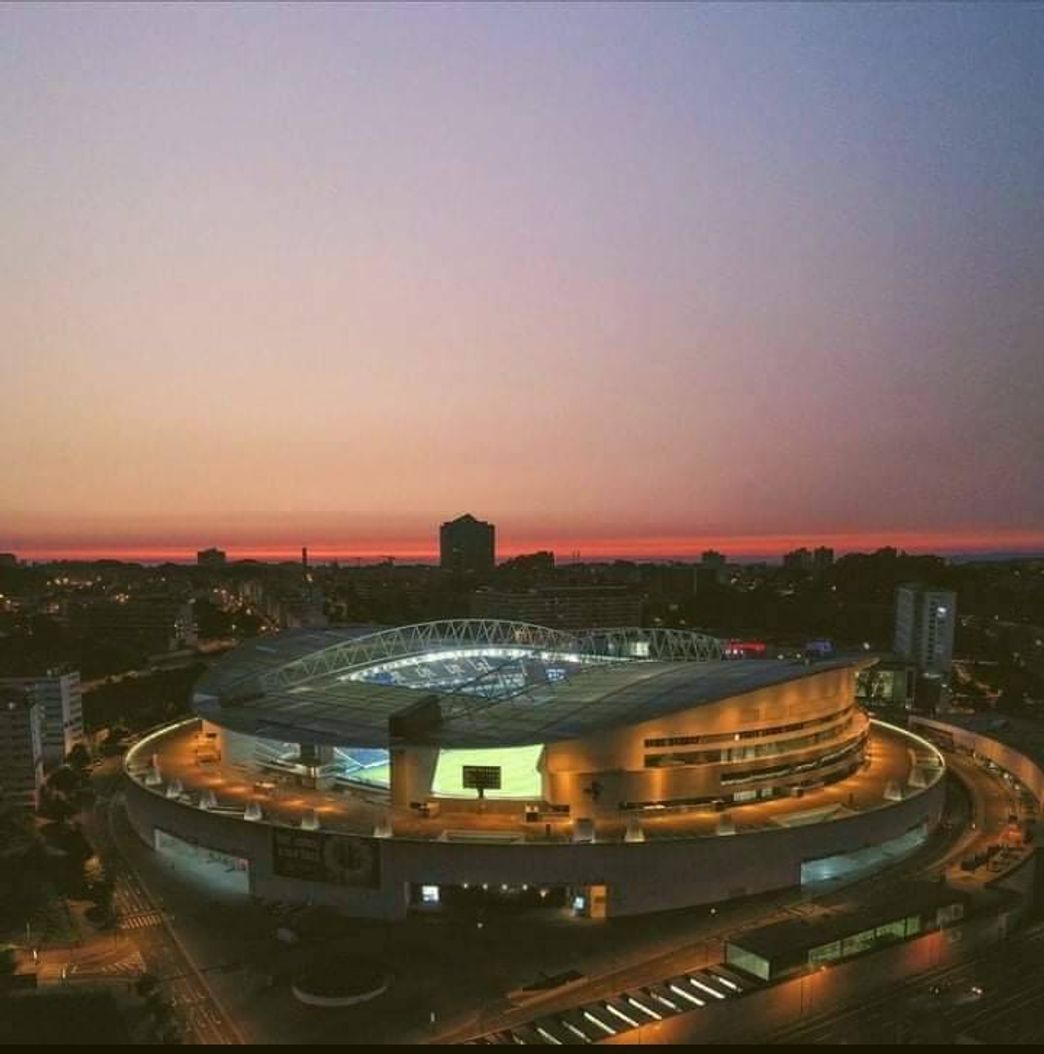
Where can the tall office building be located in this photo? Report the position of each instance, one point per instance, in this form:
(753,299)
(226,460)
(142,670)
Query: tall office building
(61,710)
(21,748)
(924,623)
(467,545)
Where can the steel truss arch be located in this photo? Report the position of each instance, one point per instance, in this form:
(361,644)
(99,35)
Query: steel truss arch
(628,643)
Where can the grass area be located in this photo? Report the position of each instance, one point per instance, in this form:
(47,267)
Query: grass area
(519,777)
(62,1016)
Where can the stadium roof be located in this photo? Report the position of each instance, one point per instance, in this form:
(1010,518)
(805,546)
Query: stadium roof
(517,684)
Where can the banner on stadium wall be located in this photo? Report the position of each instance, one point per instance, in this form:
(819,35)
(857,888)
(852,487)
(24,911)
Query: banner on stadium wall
(318,856)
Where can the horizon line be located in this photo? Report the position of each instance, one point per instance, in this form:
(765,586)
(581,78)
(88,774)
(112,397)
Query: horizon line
(568,554)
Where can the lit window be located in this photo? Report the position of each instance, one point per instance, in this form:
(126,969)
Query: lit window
(429,894)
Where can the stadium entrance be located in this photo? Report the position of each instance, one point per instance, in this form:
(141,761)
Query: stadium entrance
(488,898)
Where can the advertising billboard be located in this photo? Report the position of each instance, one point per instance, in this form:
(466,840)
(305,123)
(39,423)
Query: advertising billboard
(319,856)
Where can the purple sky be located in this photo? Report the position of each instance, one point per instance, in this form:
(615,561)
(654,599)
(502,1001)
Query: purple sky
(618,278)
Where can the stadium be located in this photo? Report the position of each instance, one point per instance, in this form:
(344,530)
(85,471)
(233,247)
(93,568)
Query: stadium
(603,772)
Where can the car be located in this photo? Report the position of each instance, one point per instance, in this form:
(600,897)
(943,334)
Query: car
(971,994)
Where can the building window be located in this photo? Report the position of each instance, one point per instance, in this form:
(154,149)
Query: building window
(825,953)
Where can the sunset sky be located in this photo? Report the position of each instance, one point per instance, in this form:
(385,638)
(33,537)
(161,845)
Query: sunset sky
(632,280)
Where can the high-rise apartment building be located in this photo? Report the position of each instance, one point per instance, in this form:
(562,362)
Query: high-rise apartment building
(925,619)
(467,545)
(798,560)
(61,710)
(21,749)
(822,558)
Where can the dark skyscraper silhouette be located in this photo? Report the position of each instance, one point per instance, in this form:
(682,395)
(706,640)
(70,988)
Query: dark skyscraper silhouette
(467,545)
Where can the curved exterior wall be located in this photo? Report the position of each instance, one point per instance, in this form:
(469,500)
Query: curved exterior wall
(1024,768)
(640,877)
(802,733)
(716,750)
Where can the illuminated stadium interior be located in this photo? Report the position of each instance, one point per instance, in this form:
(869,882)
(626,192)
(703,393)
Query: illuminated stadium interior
(538,704)
(491,673)
(486,672)
(415,749)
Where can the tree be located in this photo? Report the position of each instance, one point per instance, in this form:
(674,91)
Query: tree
(16,825)
(146,984)
(78,759)
(66,792)
(65,780)
(1012,700)
(54,806)
(170,1034)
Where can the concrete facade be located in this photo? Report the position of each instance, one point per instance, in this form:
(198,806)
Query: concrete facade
(1026,768)
(925,620)
(21,747)
(59,696)
(639,877)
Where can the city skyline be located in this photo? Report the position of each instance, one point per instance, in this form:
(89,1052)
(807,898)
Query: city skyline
(521,523)
(736,548)
(634,280)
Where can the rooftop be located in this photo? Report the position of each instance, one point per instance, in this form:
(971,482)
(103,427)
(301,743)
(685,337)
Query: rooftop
(496,683)
(842,919)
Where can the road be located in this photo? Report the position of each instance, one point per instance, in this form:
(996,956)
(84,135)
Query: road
(692,954)
(991,802)
(1008,1010)
(143,922)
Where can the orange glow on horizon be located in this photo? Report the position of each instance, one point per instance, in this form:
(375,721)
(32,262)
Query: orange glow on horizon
(590,549)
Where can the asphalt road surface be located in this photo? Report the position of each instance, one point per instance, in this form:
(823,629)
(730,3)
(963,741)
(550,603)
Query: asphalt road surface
(996,997)
(991,801)
(142,921)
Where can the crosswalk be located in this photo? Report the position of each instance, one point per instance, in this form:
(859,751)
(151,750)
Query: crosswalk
(129,967)
(602,1019)
(140,920)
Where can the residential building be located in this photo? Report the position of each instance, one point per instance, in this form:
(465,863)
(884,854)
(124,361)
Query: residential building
(21,748)
(798,560)
(61,710)
(925,619)
(822,558)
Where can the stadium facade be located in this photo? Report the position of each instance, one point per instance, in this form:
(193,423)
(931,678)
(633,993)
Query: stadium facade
(382,769)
